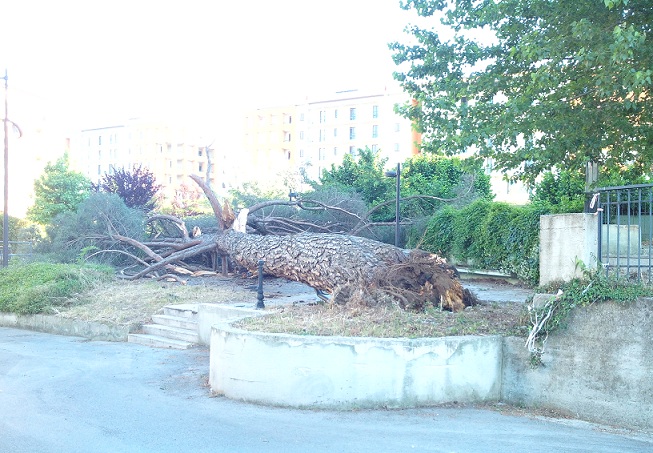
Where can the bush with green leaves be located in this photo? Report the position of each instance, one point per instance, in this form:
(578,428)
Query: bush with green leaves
(74,235)
(58,190)
(488,235)
(364,173)
(41,287)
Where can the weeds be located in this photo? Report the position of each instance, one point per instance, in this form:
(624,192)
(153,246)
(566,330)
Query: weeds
(554,315)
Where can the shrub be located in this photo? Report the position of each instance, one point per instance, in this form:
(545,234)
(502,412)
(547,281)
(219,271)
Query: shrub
(74,234)
(489,235)
(39,287)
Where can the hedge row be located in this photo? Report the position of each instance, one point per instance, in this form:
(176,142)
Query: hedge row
(489,235)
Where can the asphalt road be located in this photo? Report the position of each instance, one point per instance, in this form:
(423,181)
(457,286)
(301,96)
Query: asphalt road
(66,394)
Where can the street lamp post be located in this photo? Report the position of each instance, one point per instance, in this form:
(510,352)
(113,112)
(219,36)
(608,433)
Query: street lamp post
(397,175)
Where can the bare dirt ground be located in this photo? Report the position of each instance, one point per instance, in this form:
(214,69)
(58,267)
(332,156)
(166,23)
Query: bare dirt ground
(294,308)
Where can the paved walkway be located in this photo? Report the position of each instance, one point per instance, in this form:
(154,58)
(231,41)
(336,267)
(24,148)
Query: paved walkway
(66,394)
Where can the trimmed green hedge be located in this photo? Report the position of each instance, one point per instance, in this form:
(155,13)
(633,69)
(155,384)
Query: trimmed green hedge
(37,287)
(489,235)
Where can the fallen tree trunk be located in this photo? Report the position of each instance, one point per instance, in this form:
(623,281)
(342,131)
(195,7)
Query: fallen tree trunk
(352,268)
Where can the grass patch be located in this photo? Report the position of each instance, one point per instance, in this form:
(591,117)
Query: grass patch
(121,302)
(42,287)
(389,321)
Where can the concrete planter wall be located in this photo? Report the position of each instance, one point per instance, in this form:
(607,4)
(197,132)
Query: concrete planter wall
(337,372)
(64,326)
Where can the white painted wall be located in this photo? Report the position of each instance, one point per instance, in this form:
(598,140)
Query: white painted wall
(305,371)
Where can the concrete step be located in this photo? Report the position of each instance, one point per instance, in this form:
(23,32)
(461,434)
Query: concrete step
(158,342)
(175,321)
(188,311)
(174,333)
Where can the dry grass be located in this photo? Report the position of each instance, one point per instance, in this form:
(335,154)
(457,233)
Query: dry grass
(390,321)
(134,302)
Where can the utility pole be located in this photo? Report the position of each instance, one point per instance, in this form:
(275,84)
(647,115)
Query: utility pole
(5,224)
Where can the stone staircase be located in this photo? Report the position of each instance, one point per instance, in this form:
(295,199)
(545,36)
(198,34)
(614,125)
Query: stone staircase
(176,328)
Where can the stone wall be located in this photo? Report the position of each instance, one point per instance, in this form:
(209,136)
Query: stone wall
(600,368)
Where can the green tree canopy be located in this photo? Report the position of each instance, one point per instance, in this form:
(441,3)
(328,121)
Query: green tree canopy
(57,190)
(137,188)
(534,84)
(364,173)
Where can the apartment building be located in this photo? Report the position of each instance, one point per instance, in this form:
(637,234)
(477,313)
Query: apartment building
(311,136)
(171,153)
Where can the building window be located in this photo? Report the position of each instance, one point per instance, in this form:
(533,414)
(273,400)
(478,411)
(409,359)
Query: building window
(321,154)
(99,139)
(335,114)
(199,152)
(352,150)
(352,133)
(375,131)
(286,136)
(375,111)
(301,153)
(301,135)
(200,167)
(322,116)
(397,127)
(335,151)
(301,117)
(352,113)
(322,135)
(375,148)
(396,147)
(335,132)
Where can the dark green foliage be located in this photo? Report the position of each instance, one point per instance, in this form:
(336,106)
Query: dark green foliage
(532,84)
(73,235)
(39,287)
(137,188)
(452,179)
(488,235)
(563,191)
(365,174)
(58,190)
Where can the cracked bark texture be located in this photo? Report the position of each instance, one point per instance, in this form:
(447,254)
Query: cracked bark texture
(345,264)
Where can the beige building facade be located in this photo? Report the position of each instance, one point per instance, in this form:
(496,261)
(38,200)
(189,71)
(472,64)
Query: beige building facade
(310,137)
(171,153)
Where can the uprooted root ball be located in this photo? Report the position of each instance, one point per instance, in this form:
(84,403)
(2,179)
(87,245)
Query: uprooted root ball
(421,281)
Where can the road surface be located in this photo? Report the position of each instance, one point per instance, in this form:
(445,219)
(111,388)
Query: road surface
(67,394)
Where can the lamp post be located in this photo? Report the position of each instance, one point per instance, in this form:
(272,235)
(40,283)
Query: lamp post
(5,224)
(397,175)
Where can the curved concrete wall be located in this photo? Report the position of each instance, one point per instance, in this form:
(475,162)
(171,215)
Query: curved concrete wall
(328,372)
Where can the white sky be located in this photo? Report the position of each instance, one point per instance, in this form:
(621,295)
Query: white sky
(86,63)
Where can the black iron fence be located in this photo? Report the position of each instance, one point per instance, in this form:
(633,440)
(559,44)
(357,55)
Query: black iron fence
(625,233)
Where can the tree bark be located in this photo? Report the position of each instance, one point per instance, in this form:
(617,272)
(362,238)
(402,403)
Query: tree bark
(351,266)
